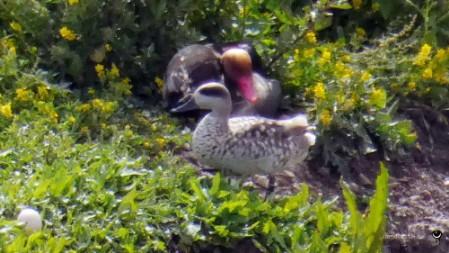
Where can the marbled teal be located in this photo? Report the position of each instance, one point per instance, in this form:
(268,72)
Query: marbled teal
(245,145)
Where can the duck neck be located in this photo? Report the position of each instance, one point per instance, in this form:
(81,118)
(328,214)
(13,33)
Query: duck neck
(218,119)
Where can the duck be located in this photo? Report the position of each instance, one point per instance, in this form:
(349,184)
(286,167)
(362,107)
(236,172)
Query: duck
(237,65)
(245,145)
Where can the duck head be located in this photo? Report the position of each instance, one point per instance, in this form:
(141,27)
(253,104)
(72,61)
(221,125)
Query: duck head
(237,66)
(209,96)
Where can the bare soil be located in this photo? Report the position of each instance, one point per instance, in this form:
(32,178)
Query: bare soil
(419,187)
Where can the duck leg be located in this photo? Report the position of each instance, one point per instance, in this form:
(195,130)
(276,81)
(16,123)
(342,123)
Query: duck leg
(271,185)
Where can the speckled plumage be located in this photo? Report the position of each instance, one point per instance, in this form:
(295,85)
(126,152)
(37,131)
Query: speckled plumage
(246,145)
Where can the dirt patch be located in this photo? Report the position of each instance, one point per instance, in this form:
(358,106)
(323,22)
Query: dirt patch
(419,188)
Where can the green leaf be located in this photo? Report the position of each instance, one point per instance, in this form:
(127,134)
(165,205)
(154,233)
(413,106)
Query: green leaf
(341,4)
(215,184)
(374,227)
(323,221)
(355,220)
(386,7)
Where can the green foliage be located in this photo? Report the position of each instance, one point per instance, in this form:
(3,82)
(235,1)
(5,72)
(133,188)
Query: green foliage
(138,37)
(320,57)
(368,232)
(103,174)
(107,180)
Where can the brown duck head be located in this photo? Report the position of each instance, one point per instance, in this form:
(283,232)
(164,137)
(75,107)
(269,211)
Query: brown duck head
(237,66)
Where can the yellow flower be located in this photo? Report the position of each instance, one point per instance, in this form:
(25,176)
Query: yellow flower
(84,108)
(161,142)
(91,91)
(42,92)
(340,67)
(357,4)
(23,94)
(325,118)
(99,68)
(325,57)
(348,104)
(12,50)
(311,38)
(375,6)
(425,50)
(97,104)
(378,97)
(67,34)
(309,53)
(159,82)
(109,107)
(72,119)
(346,58)
(360,31)
(104,125)
(395,86)
(6,110)
(348,73)
(365,76)
(126,80)
(53,116)
(147,144)
(84,130)
(243,10)
(16,26)
(441,55)
(440,76)
(115,72)
(411,85)
(427,73)
(296,55)
(108,47)
(128,132)
(319,91)
(423,54)
(72,2)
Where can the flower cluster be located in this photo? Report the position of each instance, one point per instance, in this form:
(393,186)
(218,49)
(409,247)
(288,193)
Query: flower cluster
(67,34)
(423,55)
(99,68)
(16,26)
(23,94)
(73,2)
(98,105)
(6,110)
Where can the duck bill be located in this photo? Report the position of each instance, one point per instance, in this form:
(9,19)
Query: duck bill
(246,86)
(189,105)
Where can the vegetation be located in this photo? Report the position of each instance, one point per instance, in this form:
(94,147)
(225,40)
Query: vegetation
(107,176)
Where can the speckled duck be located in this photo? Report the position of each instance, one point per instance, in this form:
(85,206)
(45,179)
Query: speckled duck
(245,145)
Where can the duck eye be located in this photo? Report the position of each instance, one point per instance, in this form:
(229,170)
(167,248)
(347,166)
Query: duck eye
(213,92)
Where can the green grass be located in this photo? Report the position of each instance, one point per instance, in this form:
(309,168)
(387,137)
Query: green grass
(105,177)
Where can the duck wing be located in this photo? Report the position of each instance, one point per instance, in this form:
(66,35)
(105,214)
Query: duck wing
(258,127)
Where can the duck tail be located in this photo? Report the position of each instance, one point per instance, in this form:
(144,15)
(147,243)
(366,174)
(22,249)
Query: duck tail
(299,121)
(311,138)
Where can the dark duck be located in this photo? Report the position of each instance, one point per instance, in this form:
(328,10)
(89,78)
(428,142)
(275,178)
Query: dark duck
(236,65)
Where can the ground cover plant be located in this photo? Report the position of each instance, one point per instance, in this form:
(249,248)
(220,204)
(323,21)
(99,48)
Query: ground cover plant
(106,175)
